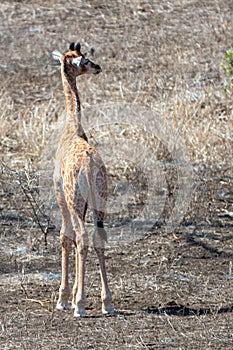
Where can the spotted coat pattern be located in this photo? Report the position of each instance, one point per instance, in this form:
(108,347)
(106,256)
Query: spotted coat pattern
(80,182)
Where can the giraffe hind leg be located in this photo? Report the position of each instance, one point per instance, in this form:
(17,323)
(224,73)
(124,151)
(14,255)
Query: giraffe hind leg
(99,239)
(66,238)
(64,290)
(81,250)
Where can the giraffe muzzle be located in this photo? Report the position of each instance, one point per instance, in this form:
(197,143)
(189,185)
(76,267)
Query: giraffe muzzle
(98,69)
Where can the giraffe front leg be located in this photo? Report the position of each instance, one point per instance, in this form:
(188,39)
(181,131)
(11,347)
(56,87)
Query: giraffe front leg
(79,299)
(64,291)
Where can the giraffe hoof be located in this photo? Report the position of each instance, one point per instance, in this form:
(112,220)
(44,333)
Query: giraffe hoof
(79,313)
(108,310)
(62,306)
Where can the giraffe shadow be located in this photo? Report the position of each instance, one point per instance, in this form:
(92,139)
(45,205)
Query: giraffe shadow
(179,311)
(184,311)
(124,313)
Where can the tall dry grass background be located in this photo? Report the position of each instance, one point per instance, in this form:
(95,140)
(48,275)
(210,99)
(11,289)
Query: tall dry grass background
(161,62)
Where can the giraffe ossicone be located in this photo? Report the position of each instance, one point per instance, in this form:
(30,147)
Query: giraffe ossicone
(80,182)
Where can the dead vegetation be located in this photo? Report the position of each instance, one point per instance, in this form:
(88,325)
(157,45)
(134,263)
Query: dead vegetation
(163,124)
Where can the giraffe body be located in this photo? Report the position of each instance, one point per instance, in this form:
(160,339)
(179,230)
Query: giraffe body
(80,182)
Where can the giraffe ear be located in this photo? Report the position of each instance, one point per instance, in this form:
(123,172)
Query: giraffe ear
(77,47)
(57,56)
(77,61)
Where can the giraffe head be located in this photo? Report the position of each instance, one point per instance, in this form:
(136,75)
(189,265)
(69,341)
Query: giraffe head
(75,61)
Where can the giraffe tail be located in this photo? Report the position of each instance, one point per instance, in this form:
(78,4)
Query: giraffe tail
(95,202)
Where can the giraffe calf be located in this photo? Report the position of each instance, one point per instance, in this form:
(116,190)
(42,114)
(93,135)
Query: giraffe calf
(80,182)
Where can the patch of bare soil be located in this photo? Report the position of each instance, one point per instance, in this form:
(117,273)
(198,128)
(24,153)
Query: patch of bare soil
(172,280)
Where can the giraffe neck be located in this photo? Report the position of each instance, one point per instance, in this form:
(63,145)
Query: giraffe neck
(73,106)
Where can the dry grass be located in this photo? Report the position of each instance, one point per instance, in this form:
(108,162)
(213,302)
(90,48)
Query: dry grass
(159,117)
(167,57)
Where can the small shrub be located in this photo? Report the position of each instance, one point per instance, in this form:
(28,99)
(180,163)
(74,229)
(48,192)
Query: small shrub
(227,66)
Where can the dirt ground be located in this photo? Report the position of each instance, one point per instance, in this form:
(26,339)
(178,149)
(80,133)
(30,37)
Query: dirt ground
(161,115)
